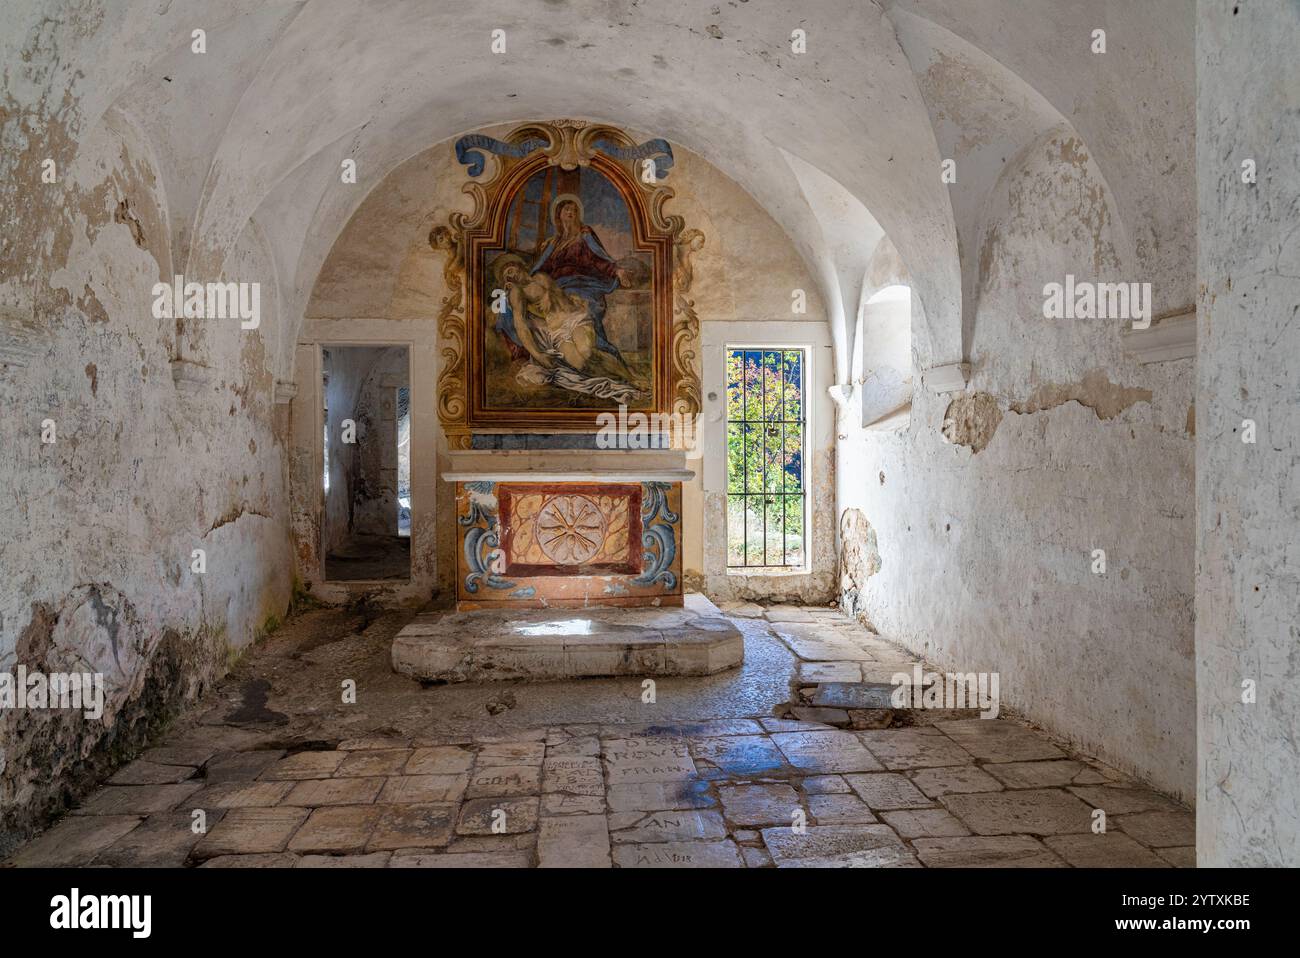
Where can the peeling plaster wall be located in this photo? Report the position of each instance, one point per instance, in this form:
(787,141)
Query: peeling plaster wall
(382,282)
(968,534)
(98,528)
(1248,495)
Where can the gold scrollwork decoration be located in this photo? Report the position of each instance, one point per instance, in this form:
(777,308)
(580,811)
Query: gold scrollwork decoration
(569,144)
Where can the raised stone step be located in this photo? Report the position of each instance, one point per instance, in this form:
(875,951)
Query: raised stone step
(853,695)
(695,639)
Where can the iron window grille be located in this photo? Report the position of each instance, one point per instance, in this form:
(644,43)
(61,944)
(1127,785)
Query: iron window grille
(766,487)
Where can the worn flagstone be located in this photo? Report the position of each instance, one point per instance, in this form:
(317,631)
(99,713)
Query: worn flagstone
(994,741)
(305,765)
(478,816)
(913,748)
(888,790)
(1119,800)
(416,858)
(665,795)
(163,840)
(259,860)
(240,766)
(581,745)
(837,809)
(821,752)
(75,840)
(954,779)
(1046,774)
(504,780)
(423,789)
(1109,850)
(575,841)
(924,823)
(428,825)
(334,791)
(371,860)
(854,695)
(793,725)
(137,799)
(707,728)
(838,846)
(787,613)
(336,829)
(365,762)
(141,772)
(1159,829)
(647,760)
(816,643)
(680,794)
(241,795)
(721,854)
(244,831)
(576,775)
(740,755)
(1031,811)
(759,803)
(194,756)
(563,803)
(1181,856)
(1005,851)
(813,673)
(836,718)
(825,784)
(518,842)
(755,857)
(439,760)
(681,825)
(512,753)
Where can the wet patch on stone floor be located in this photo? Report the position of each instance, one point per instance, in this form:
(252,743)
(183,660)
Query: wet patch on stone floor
(756,792)
(586,773)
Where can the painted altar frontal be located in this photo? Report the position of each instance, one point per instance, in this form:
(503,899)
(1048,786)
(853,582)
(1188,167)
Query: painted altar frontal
(536,530)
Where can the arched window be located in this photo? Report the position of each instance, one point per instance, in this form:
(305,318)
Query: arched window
(882,361)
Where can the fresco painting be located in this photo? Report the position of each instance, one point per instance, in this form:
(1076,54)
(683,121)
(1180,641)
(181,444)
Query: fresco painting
(569,318)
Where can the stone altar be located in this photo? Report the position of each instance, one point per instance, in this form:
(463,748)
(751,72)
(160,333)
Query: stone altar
(568,528)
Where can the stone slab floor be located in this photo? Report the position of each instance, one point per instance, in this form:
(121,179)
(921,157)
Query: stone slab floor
(587,773)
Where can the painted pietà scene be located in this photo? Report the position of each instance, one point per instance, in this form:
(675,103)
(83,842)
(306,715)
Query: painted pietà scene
(571,299)
(572,281)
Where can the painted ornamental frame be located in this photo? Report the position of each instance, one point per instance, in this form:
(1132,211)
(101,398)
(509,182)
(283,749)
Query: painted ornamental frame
(465,319)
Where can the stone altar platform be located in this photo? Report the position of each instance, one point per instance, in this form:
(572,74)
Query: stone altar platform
(491,644)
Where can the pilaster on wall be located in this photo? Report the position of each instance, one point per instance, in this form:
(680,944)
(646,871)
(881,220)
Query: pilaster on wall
(1247,423)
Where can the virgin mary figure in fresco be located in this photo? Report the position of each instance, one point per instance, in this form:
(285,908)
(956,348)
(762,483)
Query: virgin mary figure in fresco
(556,314)
(578,263)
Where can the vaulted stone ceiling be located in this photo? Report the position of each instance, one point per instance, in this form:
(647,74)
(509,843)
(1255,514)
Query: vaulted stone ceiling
(852,131)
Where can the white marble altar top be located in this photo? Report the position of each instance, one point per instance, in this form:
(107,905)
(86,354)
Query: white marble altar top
(568,465)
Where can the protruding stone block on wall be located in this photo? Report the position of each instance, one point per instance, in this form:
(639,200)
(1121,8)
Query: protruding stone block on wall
(950,378)
(190,376)
(1173,337)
